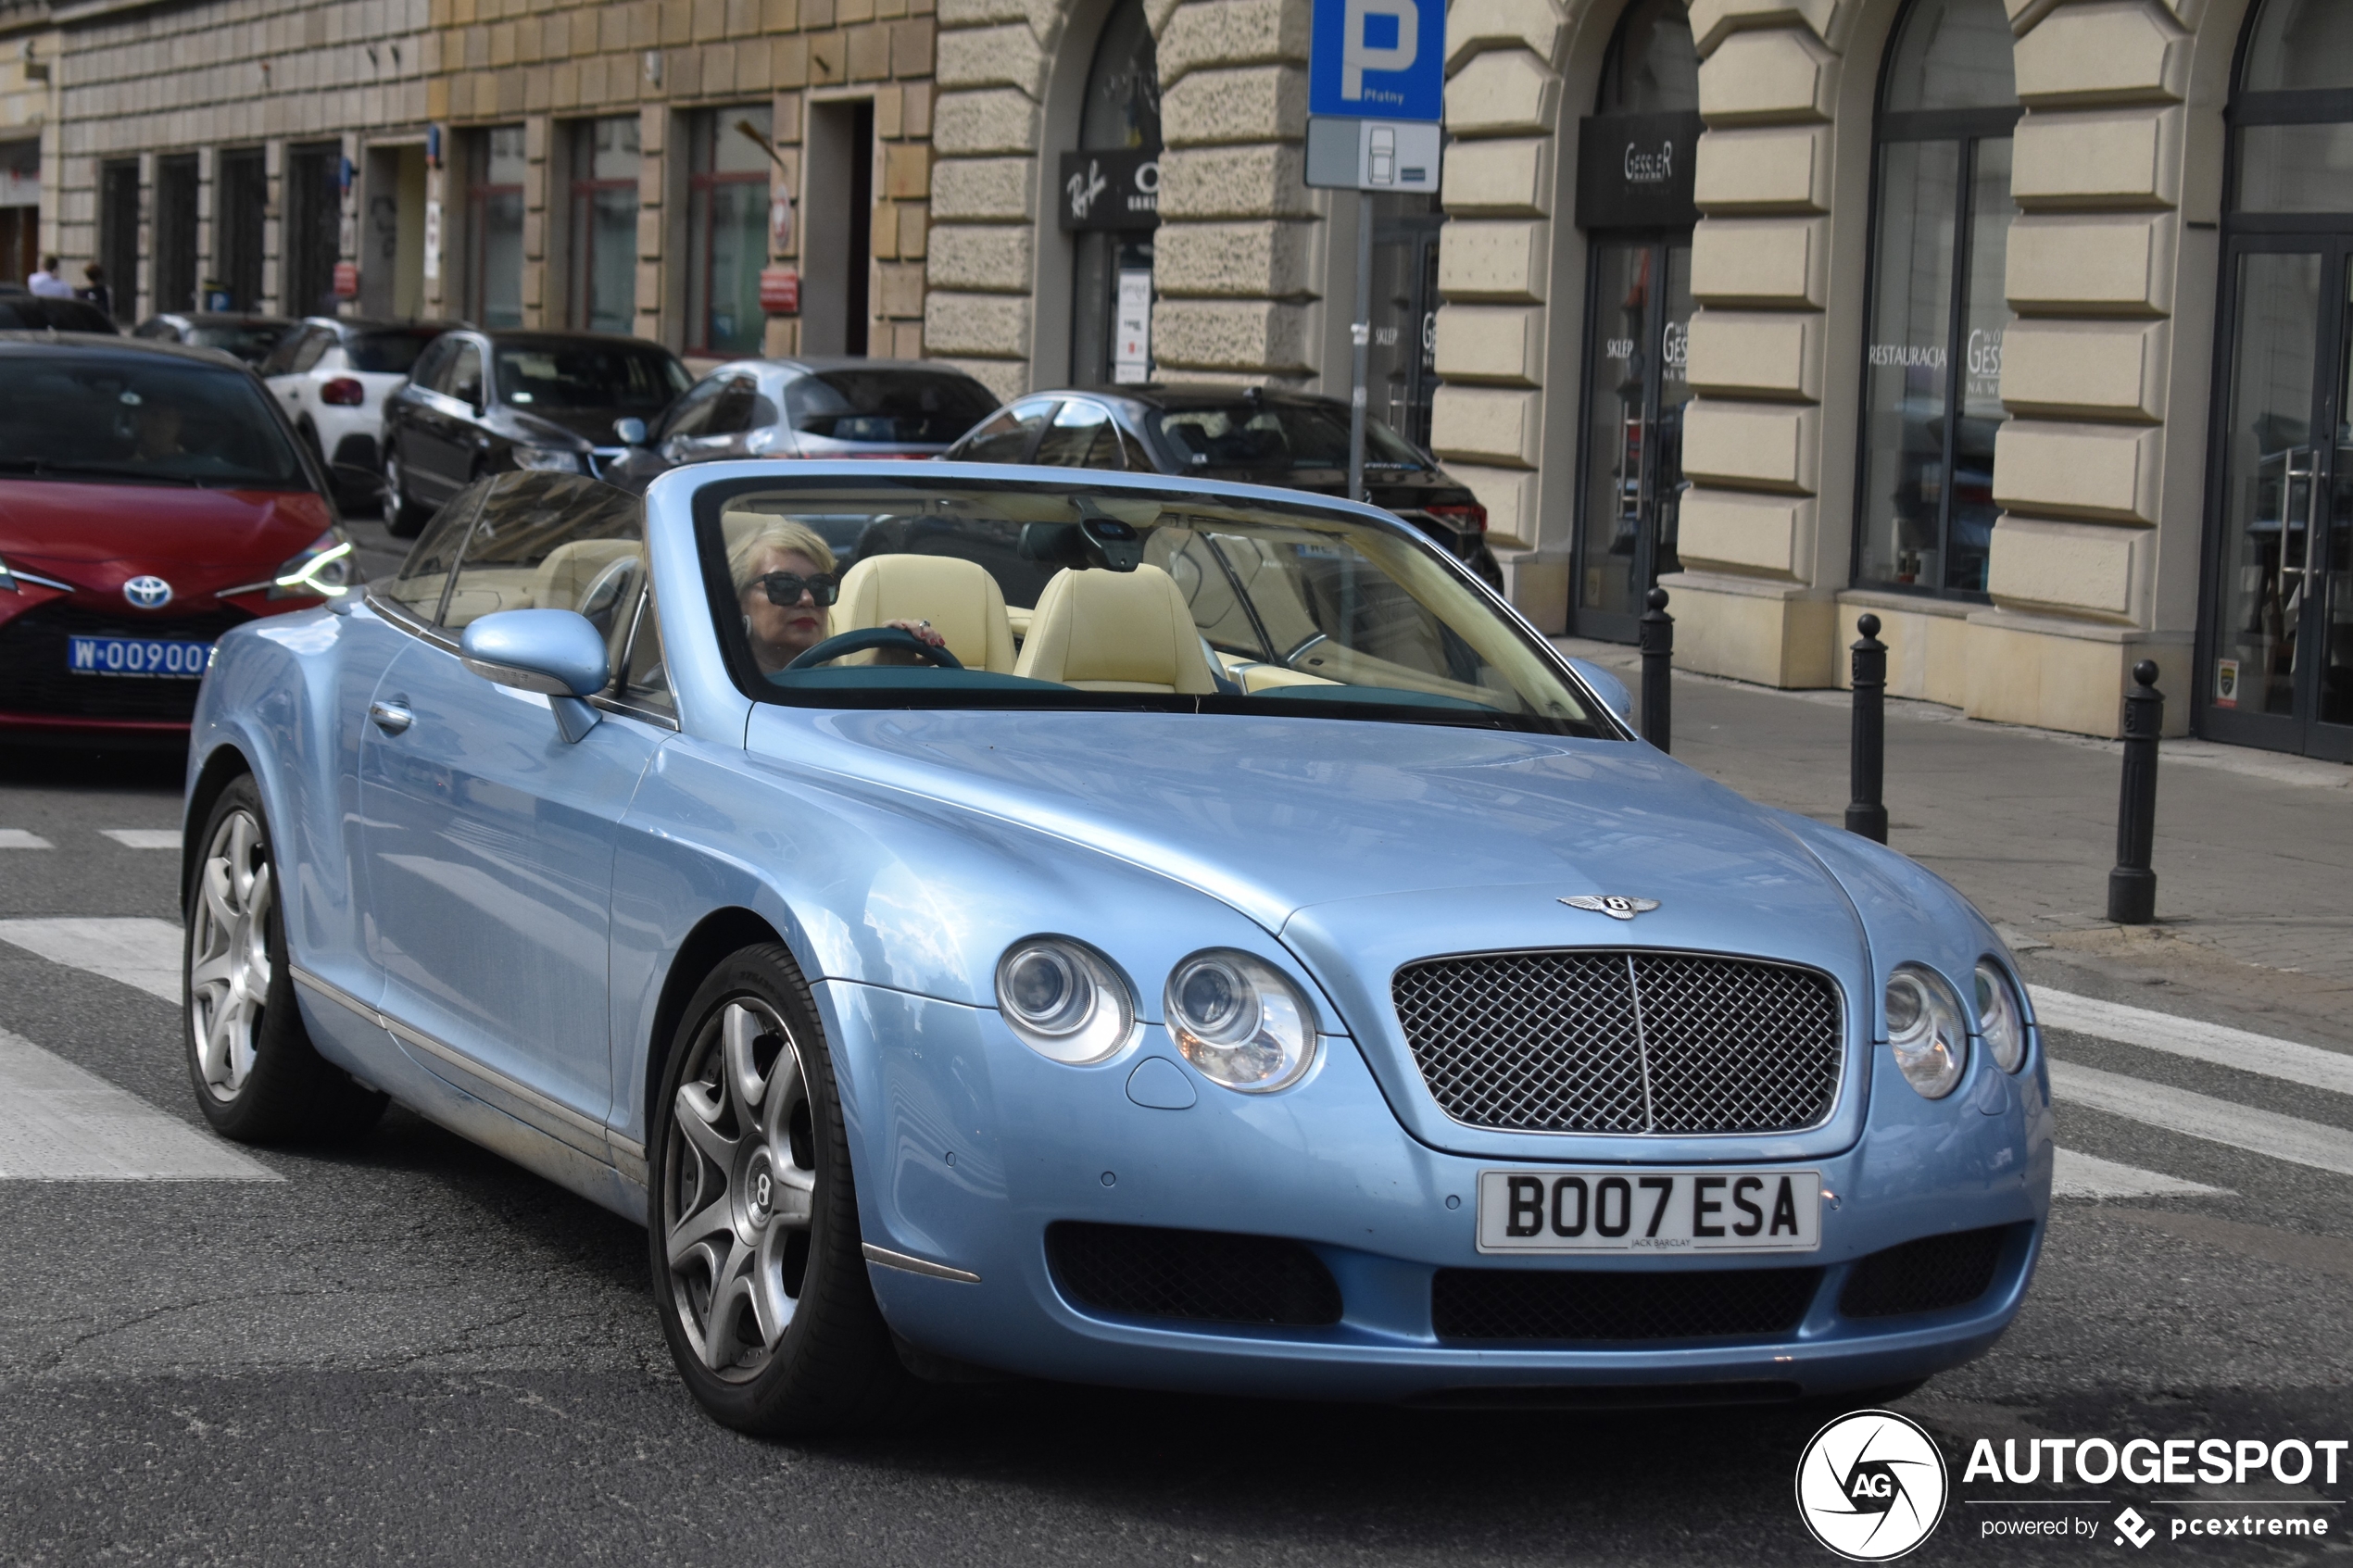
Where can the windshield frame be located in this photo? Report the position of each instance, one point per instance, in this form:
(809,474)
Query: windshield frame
(721,484)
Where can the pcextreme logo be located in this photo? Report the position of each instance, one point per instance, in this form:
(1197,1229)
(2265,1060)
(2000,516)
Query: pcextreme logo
(1872,1486)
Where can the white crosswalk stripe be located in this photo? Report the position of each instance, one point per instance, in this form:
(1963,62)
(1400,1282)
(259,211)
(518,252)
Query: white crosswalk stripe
(2216,1043)
(59,1123)
(144,838)
(19,838)
(2203,1117)
(144,953)
(2085,1175)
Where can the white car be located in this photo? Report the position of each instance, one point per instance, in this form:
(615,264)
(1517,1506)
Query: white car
(331,377)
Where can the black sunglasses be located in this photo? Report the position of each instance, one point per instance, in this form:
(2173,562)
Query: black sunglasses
(786,588)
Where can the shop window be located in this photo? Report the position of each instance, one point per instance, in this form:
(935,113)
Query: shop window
(20,209)
(314,228)
(1112,262)
(727,229)
(175,276)
(116,291)
(241,204)
(605,162)
(494,223)
(1932,364)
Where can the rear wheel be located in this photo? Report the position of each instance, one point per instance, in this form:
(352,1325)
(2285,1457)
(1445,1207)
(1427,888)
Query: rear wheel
(757,1263)
(403,518)
(256,1075)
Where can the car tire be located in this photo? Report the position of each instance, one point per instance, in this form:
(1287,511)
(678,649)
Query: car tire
(403,518)
(758,1275)
(256,1075)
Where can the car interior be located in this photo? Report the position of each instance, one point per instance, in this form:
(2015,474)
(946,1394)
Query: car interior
(1204,601)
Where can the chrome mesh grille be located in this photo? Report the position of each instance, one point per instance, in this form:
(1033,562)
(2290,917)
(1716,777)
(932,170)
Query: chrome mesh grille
(1619,1042)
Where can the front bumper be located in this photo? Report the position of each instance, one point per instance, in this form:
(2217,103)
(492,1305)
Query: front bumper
(1326,1163)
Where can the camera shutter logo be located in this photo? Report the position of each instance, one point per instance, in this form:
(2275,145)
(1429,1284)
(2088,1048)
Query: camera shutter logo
(1872,1486)
(148,593)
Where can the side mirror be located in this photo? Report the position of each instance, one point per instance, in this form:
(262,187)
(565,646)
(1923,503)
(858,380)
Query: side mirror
(557,653)
(1606,686)
(629,432)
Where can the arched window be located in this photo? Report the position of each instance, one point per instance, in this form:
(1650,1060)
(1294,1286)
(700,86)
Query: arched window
(1112,273)
(1933,367)
(2276,629)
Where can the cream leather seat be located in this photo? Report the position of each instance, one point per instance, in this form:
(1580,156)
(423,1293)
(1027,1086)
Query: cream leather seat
(961,600)
(1115,632)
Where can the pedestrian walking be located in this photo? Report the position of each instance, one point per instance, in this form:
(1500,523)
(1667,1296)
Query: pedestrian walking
(94,289)
(47,284)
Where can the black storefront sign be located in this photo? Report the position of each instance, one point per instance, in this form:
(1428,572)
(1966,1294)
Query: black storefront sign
(1118,189)
(1634,170)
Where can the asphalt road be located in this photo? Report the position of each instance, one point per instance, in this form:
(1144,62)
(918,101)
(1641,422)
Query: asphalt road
(408,1352)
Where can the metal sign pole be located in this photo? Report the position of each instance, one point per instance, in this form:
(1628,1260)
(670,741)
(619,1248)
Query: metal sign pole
(1361,334)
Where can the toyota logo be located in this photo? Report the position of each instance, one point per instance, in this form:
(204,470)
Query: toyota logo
(148,593)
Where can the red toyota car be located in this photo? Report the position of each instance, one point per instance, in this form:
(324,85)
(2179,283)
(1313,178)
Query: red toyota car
(151,497)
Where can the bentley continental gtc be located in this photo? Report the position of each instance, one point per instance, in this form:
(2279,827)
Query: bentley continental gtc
(991,920)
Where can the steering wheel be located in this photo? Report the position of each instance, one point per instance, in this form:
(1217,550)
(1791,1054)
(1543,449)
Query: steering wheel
(874,637)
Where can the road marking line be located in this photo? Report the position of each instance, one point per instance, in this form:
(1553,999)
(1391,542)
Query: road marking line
(59,1123)
(139,952)
(2087,1175)
(144,838)
(17,838)
(2201,1116)
(2216,1043)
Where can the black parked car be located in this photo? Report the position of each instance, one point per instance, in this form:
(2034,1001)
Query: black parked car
(22,310)
(479,403)
(248,337)
(1236,433)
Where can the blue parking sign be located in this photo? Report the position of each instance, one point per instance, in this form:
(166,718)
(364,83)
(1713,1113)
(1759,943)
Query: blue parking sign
(1377,59)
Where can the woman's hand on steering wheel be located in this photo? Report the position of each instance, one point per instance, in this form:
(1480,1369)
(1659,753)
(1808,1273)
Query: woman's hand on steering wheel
(896,638)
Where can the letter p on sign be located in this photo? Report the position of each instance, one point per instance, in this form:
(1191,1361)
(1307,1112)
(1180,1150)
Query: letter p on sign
(1398,22)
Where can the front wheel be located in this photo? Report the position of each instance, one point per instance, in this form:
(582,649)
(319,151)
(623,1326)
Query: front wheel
(258,1077)
(403,518)
(755,1251)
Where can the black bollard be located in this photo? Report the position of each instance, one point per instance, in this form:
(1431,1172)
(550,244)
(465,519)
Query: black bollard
(1658,665)
(1867,767)
(2132,886)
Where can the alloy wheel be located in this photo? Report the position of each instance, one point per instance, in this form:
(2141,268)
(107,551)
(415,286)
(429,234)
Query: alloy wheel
(740,1168)
(229,981)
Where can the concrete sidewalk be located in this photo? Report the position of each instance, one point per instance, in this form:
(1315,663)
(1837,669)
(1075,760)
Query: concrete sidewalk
(2254,853)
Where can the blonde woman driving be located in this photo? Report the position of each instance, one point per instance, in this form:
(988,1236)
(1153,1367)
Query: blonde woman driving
(786,581)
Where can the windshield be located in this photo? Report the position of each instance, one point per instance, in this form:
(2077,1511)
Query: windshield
(249,341)
(1109,597)
(1253,436)
(914,407)
(588,375)
(389,352)
(147,418)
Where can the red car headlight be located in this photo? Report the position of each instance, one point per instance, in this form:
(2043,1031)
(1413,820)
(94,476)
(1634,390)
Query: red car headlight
(324,570)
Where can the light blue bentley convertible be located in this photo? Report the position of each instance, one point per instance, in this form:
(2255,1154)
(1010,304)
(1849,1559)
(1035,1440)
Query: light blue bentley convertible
(988,921)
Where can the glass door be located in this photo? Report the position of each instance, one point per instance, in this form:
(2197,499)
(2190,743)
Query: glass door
(1637,322)
(2278,664)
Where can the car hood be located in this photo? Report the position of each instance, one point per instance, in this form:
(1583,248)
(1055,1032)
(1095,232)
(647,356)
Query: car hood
(99,536)
(560,426)
(1290,821)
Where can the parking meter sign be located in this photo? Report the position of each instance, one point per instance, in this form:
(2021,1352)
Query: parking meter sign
(1377,59)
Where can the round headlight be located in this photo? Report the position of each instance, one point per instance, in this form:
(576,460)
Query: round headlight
(1064,1000)
(1925,1028)
(1240,1020)
(1999,1022)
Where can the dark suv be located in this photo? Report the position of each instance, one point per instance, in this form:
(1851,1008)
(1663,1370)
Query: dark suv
(1247,434)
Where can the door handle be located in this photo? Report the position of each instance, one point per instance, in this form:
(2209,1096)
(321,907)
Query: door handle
(391,717)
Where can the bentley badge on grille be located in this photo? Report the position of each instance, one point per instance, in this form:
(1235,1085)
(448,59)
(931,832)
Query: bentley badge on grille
(1611,904)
